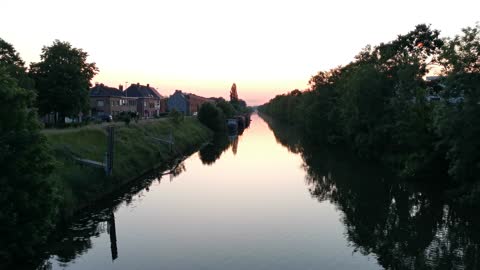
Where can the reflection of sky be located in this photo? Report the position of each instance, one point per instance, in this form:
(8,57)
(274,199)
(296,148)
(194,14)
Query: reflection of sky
(251,210)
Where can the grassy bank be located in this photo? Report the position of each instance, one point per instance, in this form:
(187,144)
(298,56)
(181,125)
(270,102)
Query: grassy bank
(135,153)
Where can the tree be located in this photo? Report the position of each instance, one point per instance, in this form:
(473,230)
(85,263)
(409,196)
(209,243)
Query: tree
(456,118)
(376,103)
(233,93)
(226,107)
(14,65)
(28,199)
(462,53)
(211,116)
(62,79)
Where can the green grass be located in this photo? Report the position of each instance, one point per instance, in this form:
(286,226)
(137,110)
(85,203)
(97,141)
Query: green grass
(135,153)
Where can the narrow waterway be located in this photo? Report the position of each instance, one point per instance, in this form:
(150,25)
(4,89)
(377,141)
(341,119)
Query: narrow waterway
(261,201)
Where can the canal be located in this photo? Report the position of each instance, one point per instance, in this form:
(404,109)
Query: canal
(268,200)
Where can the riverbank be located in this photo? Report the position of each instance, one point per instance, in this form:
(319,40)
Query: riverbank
(135,153)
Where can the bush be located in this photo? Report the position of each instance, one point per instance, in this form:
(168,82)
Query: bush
(212,117)
(175,116)
(227,108)
(125,117)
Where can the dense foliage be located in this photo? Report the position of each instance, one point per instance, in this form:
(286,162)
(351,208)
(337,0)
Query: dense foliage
(382,105)
(14,65)
(28,200)
(211,116)
(62,79)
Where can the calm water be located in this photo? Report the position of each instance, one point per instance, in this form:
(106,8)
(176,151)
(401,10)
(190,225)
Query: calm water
(262,201)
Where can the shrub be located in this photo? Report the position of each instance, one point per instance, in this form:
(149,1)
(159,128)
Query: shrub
(175,116)
(212,117)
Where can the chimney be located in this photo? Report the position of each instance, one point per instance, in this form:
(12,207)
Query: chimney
(120,87)
(148,85)
(138,84)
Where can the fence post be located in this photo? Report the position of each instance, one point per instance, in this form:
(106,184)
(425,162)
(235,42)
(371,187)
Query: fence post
(109,154)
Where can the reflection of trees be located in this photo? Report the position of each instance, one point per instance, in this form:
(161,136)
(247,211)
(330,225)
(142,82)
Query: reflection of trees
(70,243)
(404,226)
(235,145)
(211,152)
(76,240)
(285,135)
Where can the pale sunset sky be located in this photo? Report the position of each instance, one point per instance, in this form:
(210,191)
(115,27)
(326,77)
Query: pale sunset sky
(202,47)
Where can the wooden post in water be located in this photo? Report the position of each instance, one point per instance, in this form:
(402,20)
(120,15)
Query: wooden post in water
(109,154)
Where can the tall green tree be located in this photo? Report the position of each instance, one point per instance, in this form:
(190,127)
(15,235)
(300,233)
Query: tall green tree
(28,204)
(62,79)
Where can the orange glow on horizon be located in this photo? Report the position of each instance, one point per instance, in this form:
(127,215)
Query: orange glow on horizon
(204,46)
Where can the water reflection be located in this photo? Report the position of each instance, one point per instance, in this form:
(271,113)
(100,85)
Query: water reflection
(220,143)
(252,210)
(212,151)
(405,226)
(113,236)
(234,141)
(77,238)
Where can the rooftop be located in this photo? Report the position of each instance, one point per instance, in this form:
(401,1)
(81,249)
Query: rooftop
(101,90)
(142,91)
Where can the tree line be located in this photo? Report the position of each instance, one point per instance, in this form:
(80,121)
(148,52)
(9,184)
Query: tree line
(60,80)
(381,105)
(215,114)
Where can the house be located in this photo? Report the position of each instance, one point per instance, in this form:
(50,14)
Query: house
(185,103)
(105,100)
(148,99)
(194,103)
(178,102)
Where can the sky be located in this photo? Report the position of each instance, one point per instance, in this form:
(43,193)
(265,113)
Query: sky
(203,47)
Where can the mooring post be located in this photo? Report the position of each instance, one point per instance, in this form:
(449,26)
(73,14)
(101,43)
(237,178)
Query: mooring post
(109,154)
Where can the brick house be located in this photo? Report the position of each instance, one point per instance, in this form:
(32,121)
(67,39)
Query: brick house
(106,100)
(185,103)
(148,99)
(194,102)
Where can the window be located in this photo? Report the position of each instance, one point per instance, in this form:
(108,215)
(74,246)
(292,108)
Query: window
(100,103)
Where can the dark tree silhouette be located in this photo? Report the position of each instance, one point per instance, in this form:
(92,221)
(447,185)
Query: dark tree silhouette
(233,93)
(27,198)
(62,79)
